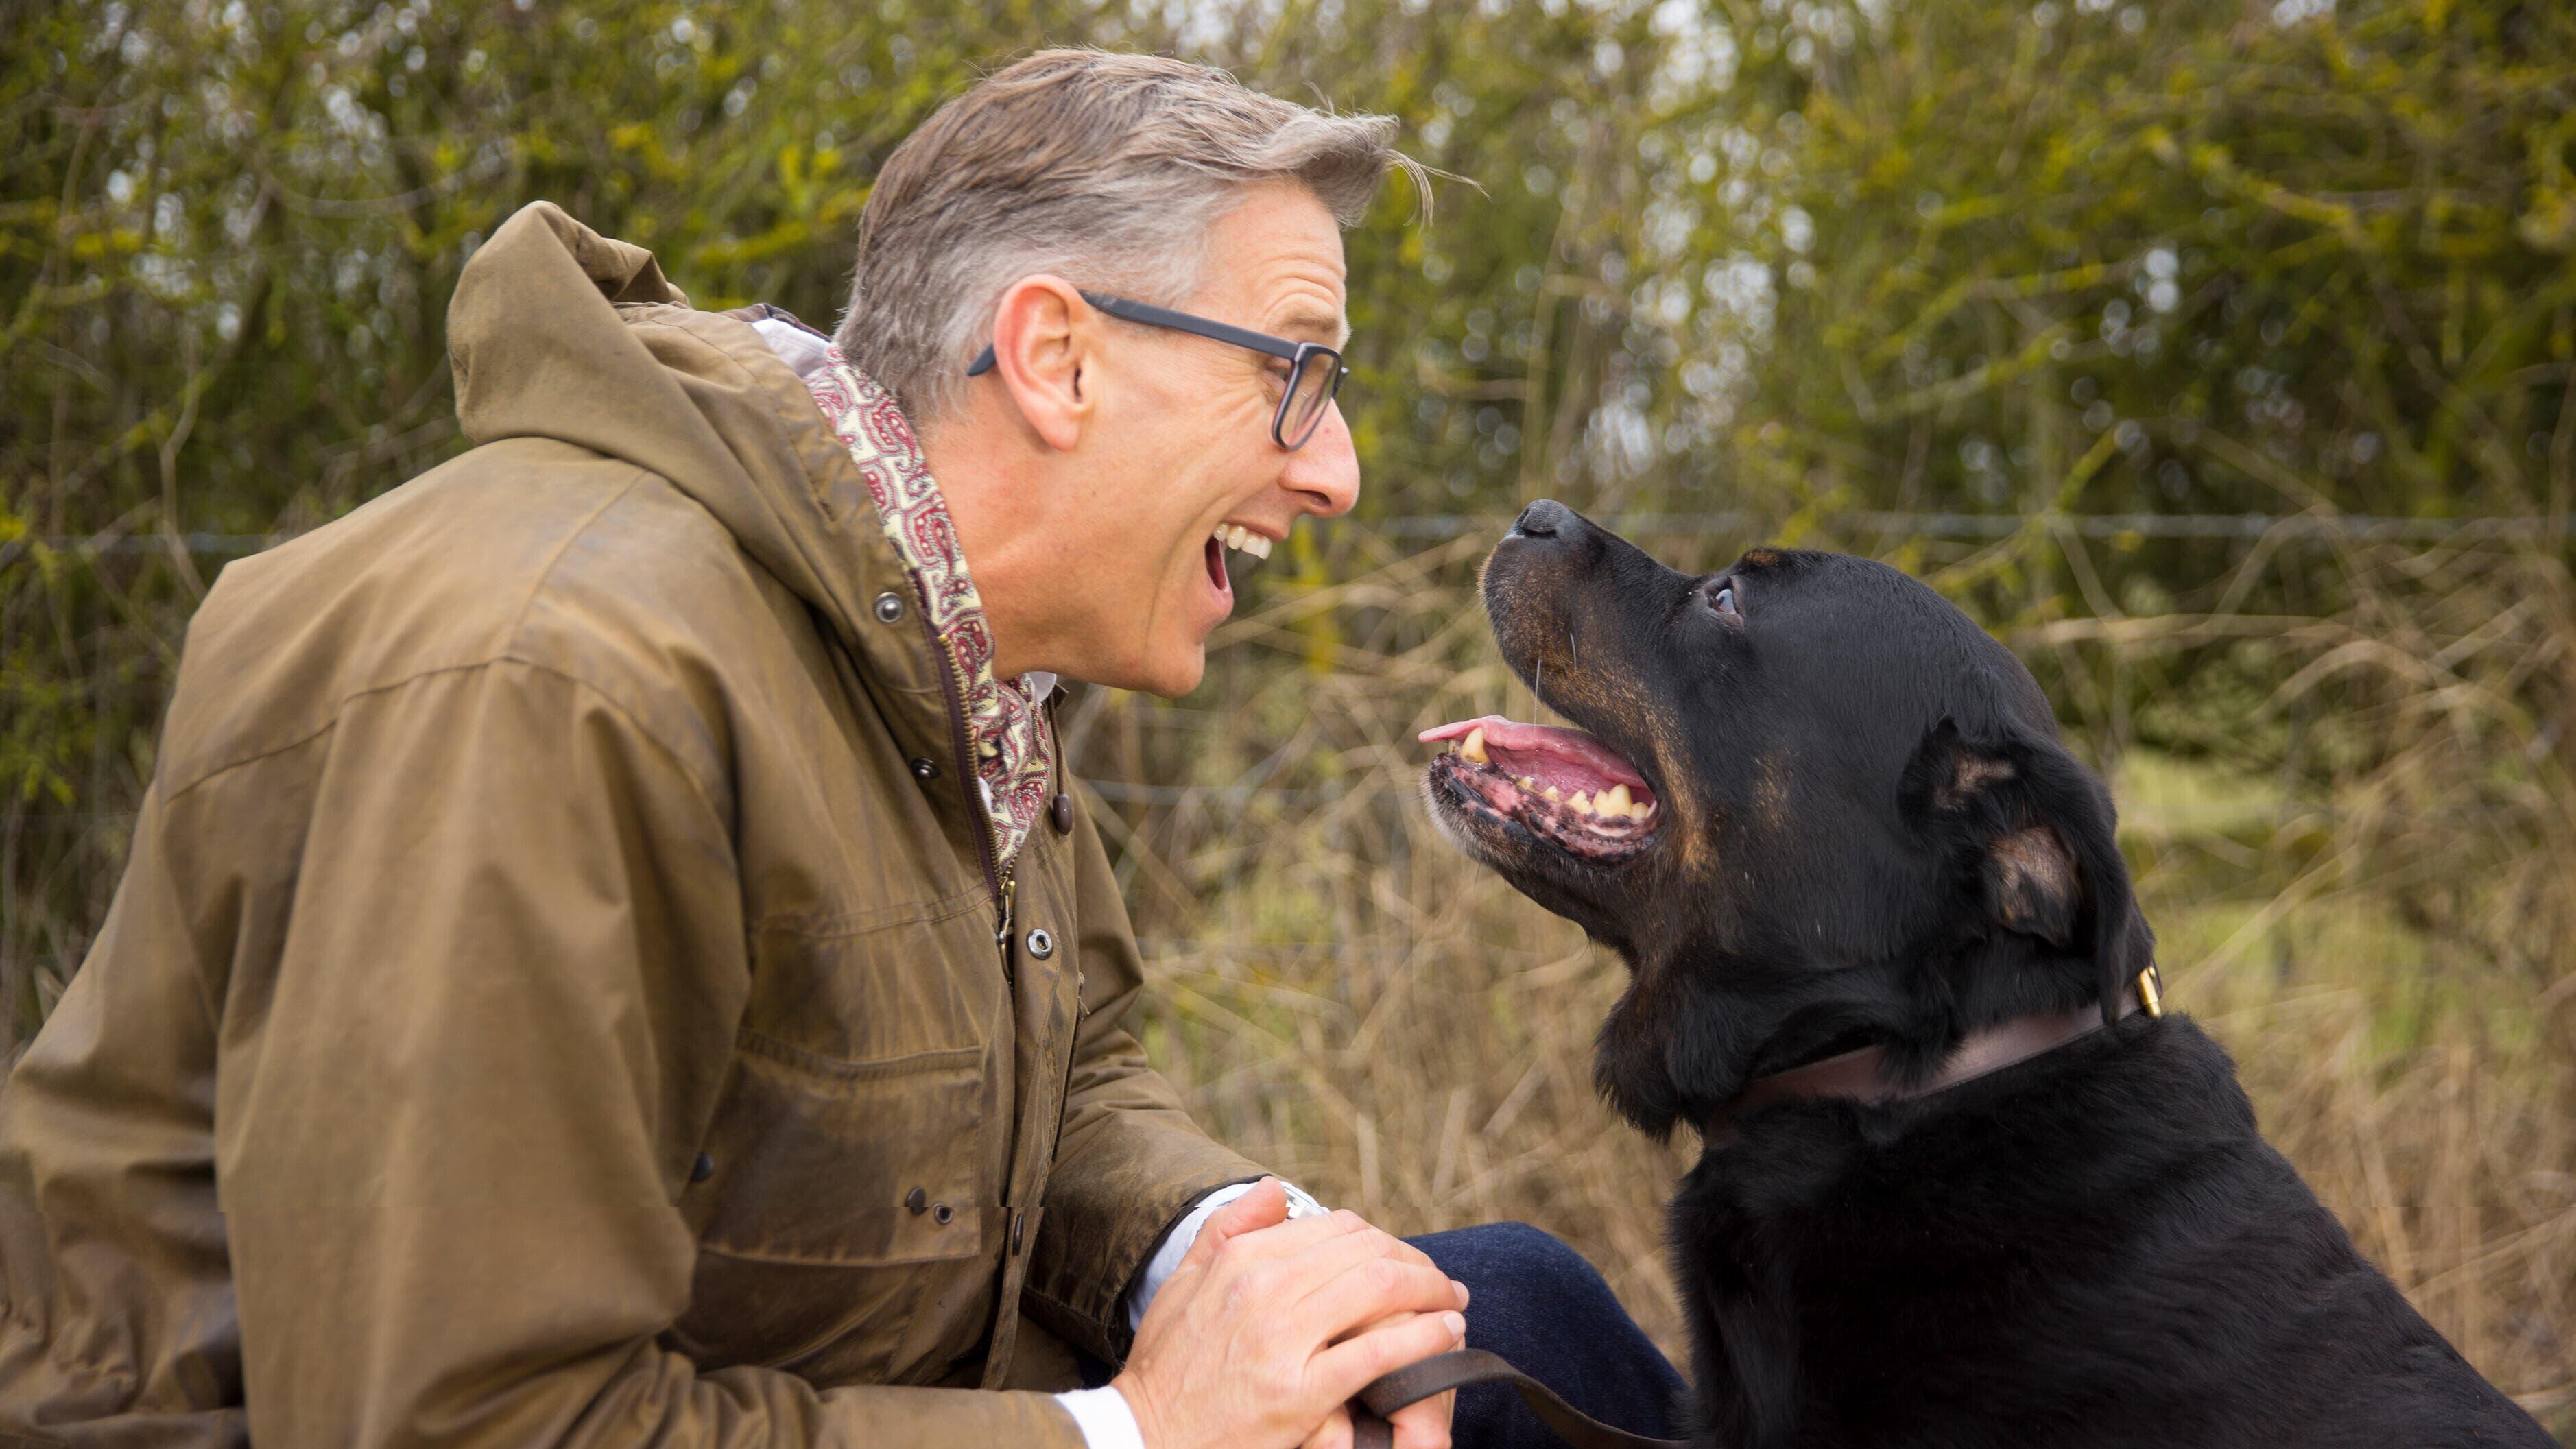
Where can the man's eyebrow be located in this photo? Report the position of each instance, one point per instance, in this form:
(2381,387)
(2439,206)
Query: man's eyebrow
(1301,321)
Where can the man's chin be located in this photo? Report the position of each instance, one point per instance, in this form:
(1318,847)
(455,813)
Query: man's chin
(1180,674)
(1167,674)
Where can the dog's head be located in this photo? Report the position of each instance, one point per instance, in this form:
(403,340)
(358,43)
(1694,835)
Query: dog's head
(1837,810)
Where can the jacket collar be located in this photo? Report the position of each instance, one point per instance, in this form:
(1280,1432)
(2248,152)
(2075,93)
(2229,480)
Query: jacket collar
(558,332)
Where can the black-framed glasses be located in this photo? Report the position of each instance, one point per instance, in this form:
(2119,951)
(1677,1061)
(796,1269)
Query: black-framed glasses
(1315,372)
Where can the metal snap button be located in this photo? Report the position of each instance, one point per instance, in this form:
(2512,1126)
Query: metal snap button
(924,770)
(702,1169)
(918,1201)
(1041,944)
(889,608)
(1060,813)
(941,1213)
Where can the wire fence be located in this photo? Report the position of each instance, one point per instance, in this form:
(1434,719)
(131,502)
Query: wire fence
(2363,528)
(2358,527)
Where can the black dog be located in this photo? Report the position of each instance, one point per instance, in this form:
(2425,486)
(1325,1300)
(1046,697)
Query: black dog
(1819,810)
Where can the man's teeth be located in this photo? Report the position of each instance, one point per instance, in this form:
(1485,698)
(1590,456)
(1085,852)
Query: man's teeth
(1243,540)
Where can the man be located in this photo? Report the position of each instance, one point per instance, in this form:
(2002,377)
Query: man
(609,955)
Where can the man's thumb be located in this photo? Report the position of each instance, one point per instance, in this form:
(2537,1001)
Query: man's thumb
(1265,1206)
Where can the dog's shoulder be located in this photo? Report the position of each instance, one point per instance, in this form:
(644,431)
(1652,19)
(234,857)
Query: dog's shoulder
(2100,1236)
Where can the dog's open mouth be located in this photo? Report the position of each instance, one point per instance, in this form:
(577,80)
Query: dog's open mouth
(1561,785)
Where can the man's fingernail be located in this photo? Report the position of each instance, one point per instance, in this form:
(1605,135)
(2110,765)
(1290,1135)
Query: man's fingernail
(1462,1291)
(1457,1324)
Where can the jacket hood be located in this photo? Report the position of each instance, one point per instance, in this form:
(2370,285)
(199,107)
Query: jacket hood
(558,332)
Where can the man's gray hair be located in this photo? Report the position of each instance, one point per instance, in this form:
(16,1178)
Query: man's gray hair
(1104,169)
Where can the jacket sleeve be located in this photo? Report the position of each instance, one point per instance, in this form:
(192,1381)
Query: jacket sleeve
(453,1127)
(1130,1162)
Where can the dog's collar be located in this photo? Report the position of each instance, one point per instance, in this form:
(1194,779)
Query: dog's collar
(1855,1075)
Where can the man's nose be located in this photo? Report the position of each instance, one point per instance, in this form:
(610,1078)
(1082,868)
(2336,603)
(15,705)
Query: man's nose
(1325,474)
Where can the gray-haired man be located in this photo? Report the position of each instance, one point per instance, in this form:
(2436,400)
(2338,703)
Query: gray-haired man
(609,956)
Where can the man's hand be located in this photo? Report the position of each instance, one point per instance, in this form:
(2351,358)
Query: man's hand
(1423,1425)
(1269,1326)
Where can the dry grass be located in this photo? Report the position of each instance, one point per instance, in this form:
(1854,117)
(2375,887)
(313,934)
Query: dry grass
(2364,881)
(2384,941)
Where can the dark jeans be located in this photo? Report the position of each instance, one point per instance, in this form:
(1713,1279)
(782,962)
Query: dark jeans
(1536,1302)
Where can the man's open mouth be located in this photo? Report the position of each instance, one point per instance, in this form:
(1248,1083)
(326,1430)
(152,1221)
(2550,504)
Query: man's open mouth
(1242,540)
(1561,785)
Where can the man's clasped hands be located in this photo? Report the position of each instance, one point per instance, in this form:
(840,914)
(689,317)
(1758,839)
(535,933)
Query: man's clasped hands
(1270,1324)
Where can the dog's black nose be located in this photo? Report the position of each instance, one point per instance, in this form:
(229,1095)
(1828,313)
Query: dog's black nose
(1544,519)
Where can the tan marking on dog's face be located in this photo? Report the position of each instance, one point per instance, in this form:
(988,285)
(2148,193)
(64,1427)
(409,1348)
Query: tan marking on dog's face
(1762,558)
(1771,789)
(1599,691)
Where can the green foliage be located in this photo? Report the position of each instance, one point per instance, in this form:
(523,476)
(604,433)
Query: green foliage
(2174,259)
(1789,257)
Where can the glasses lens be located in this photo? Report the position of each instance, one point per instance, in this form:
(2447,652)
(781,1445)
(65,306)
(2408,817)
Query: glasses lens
(1318,376)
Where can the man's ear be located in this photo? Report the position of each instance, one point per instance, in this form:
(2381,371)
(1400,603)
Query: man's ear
(2045,837)
(1042,330)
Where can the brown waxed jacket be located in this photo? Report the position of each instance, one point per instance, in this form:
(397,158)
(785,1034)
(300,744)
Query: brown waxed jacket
(543,1006)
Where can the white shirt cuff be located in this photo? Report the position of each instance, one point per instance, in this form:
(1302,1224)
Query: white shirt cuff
(1104,1418)
(1176,1244)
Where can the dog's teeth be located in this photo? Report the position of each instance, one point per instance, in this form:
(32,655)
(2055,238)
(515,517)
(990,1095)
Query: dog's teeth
(1614,801)
(1553,794)
(1642,810)
(1582,801)
(1526,783)
(1474,749)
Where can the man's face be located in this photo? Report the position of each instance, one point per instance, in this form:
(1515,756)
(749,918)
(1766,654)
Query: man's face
(1184,446)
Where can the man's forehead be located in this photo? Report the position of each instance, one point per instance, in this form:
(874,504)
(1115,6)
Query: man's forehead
(1280,253)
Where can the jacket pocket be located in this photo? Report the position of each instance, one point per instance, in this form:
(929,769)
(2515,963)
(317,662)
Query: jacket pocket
(841,1196)
(835,1163)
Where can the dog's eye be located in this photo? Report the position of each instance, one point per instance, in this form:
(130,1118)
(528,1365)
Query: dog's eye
(1723,601)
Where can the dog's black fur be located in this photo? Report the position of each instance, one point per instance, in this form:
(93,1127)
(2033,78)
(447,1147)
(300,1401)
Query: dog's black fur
(1871,833)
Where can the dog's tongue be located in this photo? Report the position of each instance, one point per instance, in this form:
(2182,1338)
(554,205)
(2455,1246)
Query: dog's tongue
(1529,742)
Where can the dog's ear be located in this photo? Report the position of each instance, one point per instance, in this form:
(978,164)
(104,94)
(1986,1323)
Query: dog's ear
(2044,836)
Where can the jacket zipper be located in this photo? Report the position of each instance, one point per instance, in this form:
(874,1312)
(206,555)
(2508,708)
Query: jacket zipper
(999,882)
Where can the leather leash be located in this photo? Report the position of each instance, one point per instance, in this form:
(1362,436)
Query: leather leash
(1443,1372)
(1853,1075)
